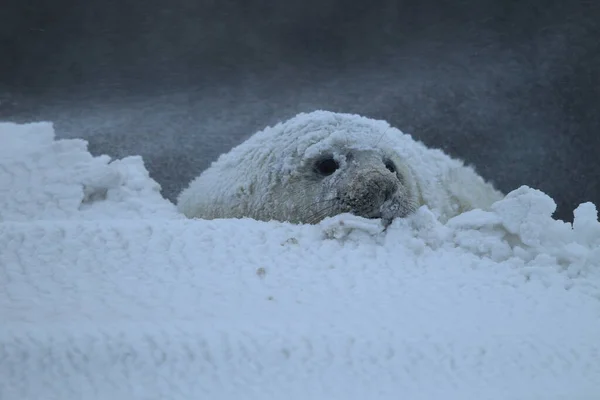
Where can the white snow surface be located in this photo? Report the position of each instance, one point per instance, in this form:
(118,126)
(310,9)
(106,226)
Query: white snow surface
(106,292)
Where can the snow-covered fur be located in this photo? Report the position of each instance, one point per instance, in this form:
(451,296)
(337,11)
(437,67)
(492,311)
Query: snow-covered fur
(266,176)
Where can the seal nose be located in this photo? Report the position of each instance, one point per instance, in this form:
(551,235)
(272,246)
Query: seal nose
(369,192)
(384,187)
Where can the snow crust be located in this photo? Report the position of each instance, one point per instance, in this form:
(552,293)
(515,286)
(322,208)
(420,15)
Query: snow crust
(107,292)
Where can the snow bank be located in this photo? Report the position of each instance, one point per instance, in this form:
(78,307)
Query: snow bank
(45,179)
(107,293)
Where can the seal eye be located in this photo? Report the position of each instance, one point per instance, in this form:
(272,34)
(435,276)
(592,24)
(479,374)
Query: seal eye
(390,166)
(326,166)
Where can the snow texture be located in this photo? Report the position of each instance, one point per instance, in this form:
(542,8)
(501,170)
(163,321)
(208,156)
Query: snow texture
(107,293)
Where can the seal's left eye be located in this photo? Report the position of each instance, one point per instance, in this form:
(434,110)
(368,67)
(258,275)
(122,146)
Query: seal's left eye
(326,166)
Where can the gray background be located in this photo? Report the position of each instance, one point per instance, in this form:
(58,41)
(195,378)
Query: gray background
(512,87)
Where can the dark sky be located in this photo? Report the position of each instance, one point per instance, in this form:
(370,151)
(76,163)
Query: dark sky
(512,87)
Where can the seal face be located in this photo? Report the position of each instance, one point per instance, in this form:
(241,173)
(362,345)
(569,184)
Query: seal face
(365,183)
(320,164)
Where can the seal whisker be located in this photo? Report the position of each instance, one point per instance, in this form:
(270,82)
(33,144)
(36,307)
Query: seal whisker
(321,214)
(316,203)
(382,136)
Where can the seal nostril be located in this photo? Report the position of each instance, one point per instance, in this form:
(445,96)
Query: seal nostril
(387,188)
(388,193)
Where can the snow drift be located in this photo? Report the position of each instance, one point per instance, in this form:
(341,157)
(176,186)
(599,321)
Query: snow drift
(107,292)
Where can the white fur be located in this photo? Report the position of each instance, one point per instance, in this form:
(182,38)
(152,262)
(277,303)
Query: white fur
(241,182)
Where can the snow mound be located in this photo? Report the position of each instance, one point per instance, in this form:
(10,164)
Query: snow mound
(46,179)
(107,292)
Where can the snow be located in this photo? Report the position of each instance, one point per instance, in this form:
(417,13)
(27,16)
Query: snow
(108,293)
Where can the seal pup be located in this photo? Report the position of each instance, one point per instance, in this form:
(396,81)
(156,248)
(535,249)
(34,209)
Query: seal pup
(320,164)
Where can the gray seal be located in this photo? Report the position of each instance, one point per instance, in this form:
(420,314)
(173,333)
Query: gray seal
(320,164)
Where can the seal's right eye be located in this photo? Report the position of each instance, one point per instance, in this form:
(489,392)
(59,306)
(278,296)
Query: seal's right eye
(326,166)
(389,164)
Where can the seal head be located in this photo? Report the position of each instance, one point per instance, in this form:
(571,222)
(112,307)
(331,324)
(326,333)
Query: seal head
(365,183)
